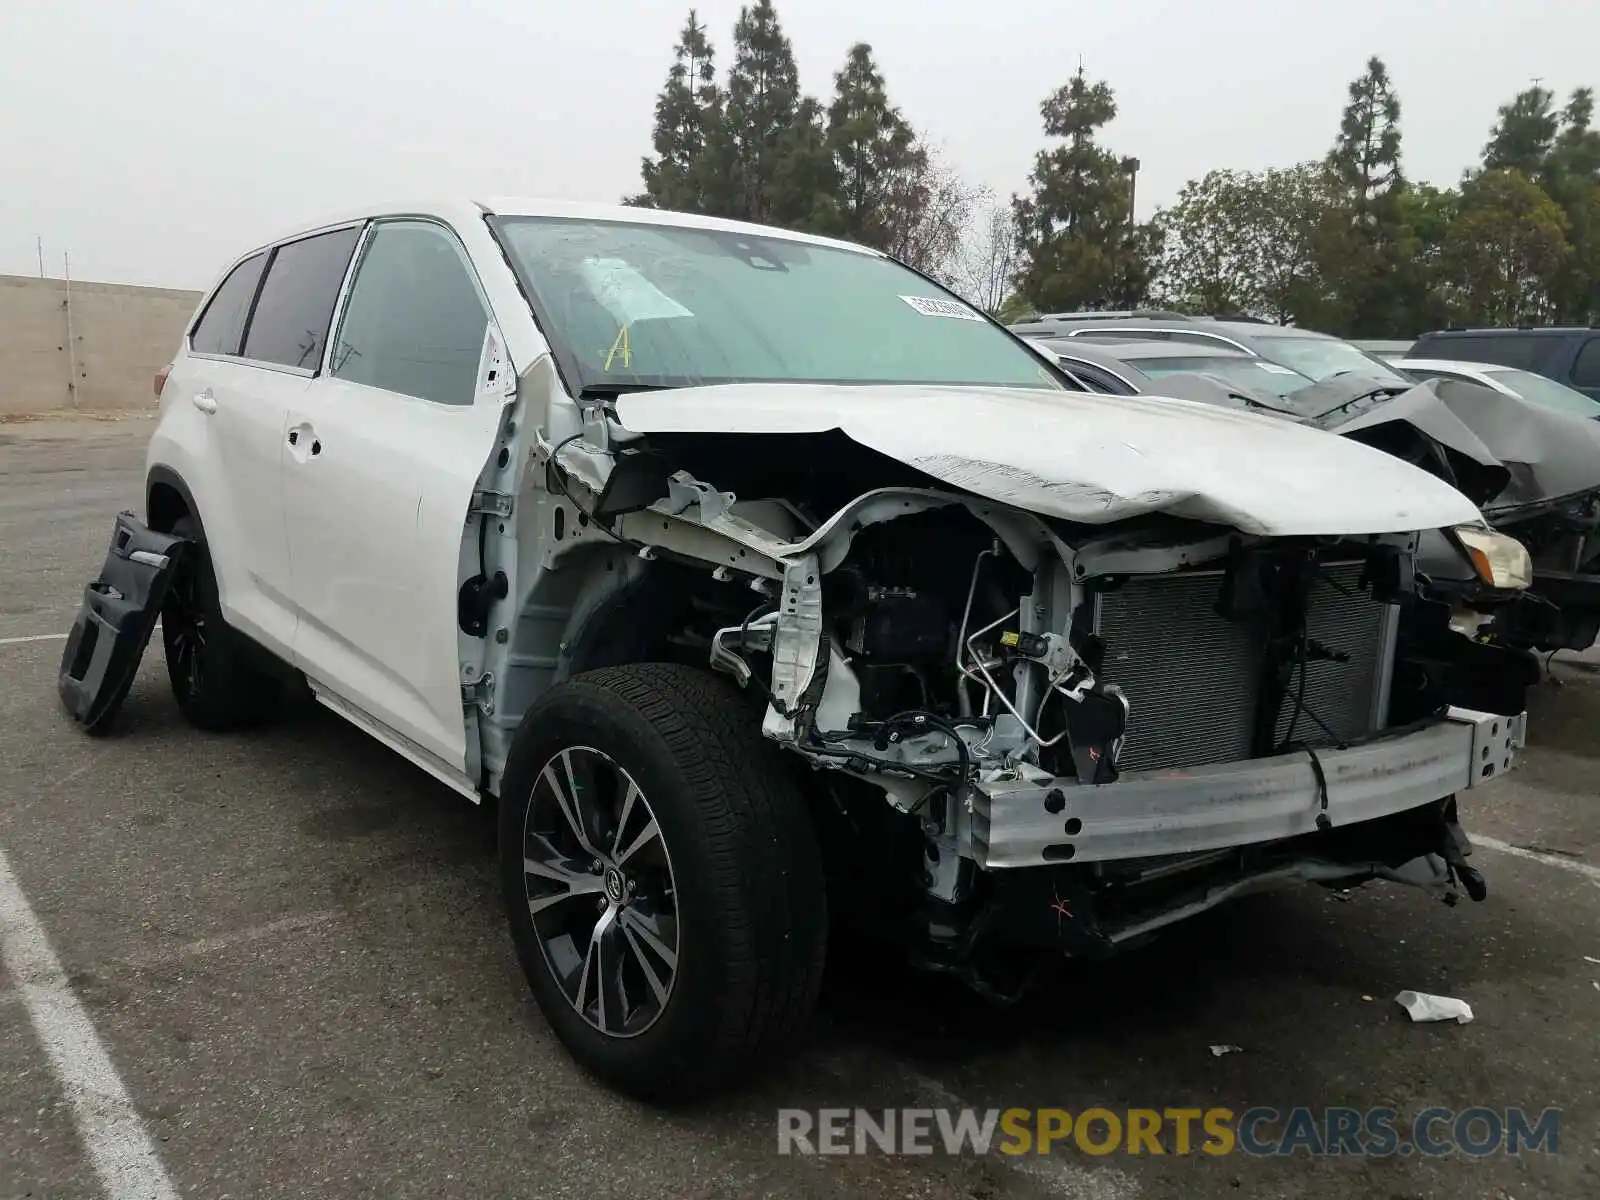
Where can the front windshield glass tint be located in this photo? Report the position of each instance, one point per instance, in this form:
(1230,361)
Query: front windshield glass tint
(1253,373)
(1323,358)
(637,305)
(1546,393)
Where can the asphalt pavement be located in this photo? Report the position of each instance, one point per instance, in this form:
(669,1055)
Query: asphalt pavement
(289,946)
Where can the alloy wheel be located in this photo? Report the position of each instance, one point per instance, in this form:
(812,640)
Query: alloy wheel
(184,621)
(599,886)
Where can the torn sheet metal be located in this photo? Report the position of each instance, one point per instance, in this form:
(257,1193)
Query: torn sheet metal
(1535,454)
(1090,459)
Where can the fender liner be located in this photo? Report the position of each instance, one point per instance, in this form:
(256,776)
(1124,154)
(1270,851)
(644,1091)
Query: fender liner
(165,476)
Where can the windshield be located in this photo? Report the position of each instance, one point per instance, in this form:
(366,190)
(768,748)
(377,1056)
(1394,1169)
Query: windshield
(1255,373)
(1322,358)
(634,305)
(1546,393)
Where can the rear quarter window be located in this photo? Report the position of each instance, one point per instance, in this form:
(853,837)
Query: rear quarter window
(222,323)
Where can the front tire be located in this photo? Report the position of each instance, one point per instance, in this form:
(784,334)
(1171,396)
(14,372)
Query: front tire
(662,880)
(212,679)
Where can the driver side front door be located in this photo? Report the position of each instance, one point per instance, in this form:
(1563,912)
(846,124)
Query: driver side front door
(386,448)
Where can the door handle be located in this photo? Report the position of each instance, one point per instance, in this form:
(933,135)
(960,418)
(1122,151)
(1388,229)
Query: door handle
(205,402)
(302,434)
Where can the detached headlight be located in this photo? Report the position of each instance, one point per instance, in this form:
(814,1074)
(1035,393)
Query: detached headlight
(1501,561)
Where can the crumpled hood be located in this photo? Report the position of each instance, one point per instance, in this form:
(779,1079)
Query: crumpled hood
(1531,454)
(1087,458)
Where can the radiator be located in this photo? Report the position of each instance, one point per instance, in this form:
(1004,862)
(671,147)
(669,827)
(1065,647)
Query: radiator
(1191,677)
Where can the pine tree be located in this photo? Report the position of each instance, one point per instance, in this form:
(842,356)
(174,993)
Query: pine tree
(804,190)
(1523,136)
(880,166)
(763,99)
(687,109)
(1366,157)
(1075,232)
(1368,254)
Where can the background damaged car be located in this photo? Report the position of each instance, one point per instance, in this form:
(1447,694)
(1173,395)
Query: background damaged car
(1533,468)
(766,585)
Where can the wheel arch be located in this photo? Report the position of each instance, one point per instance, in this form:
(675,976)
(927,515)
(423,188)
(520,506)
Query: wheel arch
(167,499)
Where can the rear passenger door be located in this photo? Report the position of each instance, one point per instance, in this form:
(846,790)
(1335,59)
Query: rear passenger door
(254,349)
(385,450)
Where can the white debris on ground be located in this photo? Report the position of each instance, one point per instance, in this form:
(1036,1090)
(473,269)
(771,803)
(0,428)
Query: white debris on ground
(1423,1007)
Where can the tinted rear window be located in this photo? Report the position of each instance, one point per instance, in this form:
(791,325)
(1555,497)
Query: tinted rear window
(1505,349)
(223,321)
(290,323)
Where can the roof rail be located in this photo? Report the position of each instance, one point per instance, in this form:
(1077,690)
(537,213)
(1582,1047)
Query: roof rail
(1125,314)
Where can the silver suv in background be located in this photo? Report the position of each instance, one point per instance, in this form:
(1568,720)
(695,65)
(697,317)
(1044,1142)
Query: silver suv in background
(1317,356)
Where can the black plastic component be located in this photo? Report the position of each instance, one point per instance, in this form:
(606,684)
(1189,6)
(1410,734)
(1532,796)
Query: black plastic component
(1028,645)
(1247,587)
(113,626)
(638,479)
(1391,575)
(1094,724)
(476,598)
(904,626)
(889,688)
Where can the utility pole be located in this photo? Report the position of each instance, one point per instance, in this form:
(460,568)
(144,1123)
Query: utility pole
(72,347)
(39,245)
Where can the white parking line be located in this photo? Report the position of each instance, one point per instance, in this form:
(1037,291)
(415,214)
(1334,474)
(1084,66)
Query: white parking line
(1550,860)
(38,637)
(124,1157)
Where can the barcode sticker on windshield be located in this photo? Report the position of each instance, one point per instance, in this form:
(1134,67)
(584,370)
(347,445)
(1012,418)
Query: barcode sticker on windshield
(933,306)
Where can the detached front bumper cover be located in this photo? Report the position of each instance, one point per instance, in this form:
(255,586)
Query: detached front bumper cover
(1025,823)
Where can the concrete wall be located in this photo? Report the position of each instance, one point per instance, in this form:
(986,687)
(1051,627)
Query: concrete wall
(121,336)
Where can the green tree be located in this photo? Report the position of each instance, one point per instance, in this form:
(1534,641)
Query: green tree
(1426,214)
(1505,252)
(1560,151)
(1078,244)
(804,185)
(1367,252)
(763,102)
(880,166)
(1365,159)
(1243,241)
(688,107)
(1524,134)
(1572,178)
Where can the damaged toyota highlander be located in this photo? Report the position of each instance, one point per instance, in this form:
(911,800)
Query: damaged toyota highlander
(770,589)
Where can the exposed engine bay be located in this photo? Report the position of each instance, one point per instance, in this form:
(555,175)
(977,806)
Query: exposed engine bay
(1146,716)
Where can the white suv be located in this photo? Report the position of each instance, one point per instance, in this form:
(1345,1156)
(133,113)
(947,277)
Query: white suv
(768,585)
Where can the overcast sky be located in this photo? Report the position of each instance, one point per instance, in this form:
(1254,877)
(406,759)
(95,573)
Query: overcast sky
(156,139)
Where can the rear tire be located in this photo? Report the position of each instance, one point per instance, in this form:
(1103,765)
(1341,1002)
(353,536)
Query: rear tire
(208,665)
(652,843)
